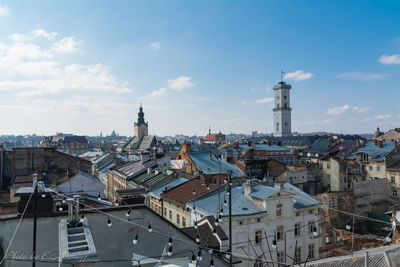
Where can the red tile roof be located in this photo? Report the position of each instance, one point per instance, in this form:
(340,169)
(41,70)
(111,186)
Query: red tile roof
(210,137)
(183,193)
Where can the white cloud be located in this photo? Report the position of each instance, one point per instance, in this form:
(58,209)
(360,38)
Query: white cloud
(155,45)
(160,92)
(342,109)
(268,89)
(361,76)
(66,45)
(265,100)
(22,58)
(390,59)
(338,110)
(180,83)
(327,121)
(4,11)
(361,109)
(298,75)
(35,34)
(382,117)
(252,89)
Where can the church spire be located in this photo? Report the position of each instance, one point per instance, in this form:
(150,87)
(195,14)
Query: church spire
(140,116)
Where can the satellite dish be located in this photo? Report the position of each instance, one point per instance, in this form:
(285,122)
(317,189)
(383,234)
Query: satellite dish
(398,216)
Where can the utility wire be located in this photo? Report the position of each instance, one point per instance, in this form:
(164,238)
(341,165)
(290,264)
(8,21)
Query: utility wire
(16,228)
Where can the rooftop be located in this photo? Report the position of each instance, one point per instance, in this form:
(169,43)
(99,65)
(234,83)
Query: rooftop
(207,163)
(156,192)
(377,153)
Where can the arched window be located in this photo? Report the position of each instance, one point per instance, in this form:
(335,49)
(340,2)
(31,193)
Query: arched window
(285,105)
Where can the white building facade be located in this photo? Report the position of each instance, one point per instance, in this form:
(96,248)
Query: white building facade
(284,213)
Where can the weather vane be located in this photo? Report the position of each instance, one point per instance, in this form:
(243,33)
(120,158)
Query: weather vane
(282,73)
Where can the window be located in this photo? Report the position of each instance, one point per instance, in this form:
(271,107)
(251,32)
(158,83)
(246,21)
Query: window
(297,254)
(277,124)
(378,168)
(364,157)
(329,178)
(152,205)
(279,210)
(258,219)
(297,213)
(321,166)
(178,219)
(393,180)
(170,215)
(183,221)
(328,166)
(156,208)
(240,222)
(370,168)
(165,212)
(279,232)
(297,229)
(394,193)
(311,251)
(258,236)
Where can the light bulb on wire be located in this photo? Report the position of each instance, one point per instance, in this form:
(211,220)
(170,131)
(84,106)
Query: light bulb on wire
(109,223)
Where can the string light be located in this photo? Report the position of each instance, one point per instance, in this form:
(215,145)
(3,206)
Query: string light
(128,212)
(239,185)
(389,237)
(211,262)
(169,251)
(195,224)
(81,219)
(149,228)
(170,241)
(193,192)
(222,210)
(43,195)
(225,202)
(63,201)
(60,208)
(208,187)
(193,258)
(99,196)
(216,222)
(199,257)
(215,231)
(220,216)
(315,231)
(274,243)
(348,226)
(197,238)
(135,239)
(109,223)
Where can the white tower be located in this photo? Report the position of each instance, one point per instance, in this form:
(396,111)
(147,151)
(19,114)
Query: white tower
(282,110)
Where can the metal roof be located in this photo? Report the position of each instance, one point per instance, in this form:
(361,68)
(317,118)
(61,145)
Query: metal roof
(377,153)
(207,163)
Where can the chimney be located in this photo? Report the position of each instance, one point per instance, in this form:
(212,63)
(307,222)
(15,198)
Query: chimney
(236,144)
(330,139)
(395,144)
(374,141)
(358,144)
(148,170)
(145,157)
(247,187)
(249,143)
(229,155)
(187,148)
(269,143)
(279,143)
(380,145)
(34,180)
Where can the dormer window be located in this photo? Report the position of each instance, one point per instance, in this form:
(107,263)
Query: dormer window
(364,157)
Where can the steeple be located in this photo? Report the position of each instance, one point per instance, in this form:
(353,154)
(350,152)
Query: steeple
(140,116)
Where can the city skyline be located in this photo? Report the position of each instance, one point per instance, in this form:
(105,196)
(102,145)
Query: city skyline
(193,65)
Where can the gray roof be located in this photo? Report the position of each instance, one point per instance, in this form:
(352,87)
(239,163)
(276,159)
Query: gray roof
(207,163)
(113,244)
(377,153)
(266,147)
(386,256)
(156,192)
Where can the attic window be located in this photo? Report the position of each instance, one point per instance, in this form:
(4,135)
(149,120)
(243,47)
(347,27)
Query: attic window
(279,194)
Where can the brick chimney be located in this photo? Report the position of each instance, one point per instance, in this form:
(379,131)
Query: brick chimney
(380,145)
(229,155)
(187,148)
(358,143)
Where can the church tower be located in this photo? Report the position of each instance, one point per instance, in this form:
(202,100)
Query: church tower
(141,127)
(282,110)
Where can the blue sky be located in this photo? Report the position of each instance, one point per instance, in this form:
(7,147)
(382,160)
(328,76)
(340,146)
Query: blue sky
(84,66)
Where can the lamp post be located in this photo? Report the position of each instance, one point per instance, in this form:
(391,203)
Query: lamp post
(230,215)
(35,184)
